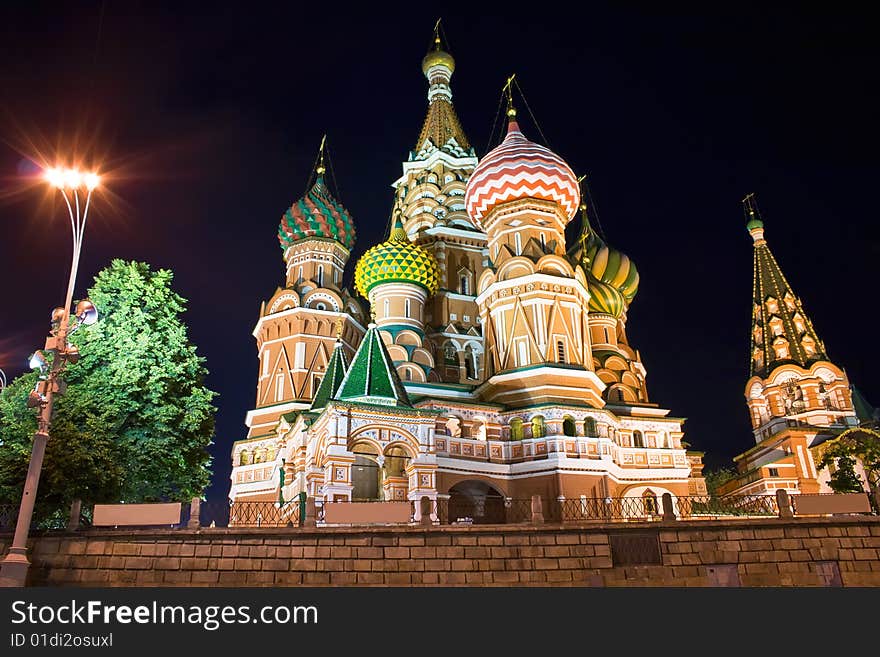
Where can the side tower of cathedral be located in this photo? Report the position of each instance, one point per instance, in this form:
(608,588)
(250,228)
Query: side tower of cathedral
(298,326)
(797,397)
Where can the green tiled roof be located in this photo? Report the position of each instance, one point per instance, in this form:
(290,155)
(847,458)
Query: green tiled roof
(332,379)
(864,411)
(372,377)
(774,303)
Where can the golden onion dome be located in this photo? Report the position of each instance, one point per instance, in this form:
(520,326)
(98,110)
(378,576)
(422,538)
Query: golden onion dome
(438,57)
(397,260)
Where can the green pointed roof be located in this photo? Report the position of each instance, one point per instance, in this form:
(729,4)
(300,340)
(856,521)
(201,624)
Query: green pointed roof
(372,378)
(781,330)
(864,411)
(332,379)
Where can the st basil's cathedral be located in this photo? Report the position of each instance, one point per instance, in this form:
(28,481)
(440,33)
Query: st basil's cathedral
(482,358)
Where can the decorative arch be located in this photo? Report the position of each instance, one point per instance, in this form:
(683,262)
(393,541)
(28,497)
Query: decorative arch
(411,373)
(515,267)
(331,299)
(516,428)
(539,429)
(409,338)
(569,427)
(286,301)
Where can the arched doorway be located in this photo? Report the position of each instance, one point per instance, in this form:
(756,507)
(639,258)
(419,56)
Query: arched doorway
(478,501)
(365,473)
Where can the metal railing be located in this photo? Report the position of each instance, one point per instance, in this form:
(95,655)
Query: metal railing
(244,514)
(45,517)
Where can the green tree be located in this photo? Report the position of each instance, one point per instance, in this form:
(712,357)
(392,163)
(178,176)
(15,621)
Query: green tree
(844,479)
(717,478)
(861,444)
(137,419)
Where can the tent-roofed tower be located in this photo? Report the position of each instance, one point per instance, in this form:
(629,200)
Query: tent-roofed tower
(781,330)
(798,399)
(429,198)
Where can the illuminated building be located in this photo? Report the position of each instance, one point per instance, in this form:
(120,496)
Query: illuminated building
(496,363)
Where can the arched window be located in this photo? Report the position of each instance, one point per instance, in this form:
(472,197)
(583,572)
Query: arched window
(560,351)
(568,426)
(320,275)
(638,439)
(387,308)
(543,241)
(517,240)
(279,387)
(244,457)
(406,308)
(516,429)
(662,439)
(464,285)
(408,374)
(538,430)
(469,363)
(590,427)
(649,499)
(450,353)
(299,277)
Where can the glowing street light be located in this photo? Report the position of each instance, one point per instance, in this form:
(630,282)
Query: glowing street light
(72,183)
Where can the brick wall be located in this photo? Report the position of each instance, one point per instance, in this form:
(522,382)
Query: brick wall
(767,552)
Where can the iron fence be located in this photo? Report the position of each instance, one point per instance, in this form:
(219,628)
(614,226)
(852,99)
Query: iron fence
(244,514)
(726,506)
(45,516)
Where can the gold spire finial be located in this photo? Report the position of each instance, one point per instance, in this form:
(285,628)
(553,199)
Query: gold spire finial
(437,34)
(508,87)
(320,168)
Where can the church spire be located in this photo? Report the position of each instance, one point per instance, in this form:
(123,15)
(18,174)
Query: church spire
(441,125)
(781,331)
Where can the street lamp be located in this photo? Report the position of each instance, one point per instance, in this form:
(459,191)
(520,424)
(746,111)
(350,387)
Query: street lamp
(50,361)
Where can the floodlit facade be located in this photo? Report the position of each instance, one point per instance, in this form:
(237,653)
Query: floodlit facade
(484,359)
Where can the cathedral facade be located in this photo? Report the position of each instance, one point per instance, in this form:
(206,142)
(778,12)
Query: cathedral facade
(484,357)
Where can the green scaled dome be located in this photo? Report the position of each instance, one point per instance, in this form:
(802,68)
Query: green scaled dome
(397,260)
(317,214)
(610,266)
(604,298)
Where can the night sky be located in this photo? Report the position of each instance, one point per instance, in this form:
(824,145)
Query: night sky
(206,127)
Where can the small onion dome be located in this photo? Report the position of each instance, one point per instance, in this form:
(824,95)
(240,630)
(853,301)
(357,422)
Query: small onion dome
(317,214)
(438,57)
(604,298)
(519,168)
(397,260)
(611,266)
(754,223)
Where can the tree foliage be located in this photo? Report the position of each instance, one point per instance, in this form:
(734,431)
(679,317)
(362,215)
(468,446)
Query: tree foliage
(137,419)
(717,478)
(844,479)
(860,444)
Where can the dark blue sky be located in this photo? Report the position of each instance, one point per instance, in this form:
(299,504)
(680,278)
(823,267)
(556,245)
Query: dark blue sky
(208,122)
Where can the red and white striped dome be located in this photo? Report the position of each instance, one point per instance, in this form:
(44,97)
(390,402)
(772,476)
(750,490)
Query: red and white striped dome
(519,168)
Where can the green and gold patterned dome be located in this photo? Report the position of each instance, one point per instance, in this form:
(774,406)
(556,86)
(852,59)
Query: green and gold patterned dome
(604,298)
(610,266)
(397,260)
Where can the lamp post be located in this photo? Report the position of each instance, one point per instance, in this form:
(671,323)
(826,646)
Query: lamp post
(71,183)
